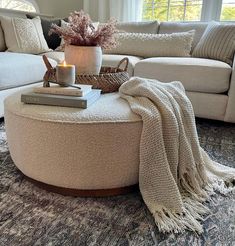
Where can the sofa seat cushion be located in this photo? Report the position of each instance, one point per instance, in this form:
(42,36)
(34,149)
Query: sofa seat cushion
(57,56)
(113,60)
(196,74)
(20,69)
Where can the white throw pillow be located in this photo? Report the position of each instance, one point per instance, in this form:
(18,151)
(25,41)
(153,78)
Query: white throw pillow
(153,45)
(24,35)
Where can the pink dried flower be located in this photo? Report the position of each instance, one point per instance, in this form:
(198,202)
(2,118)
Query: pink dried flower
(81,32)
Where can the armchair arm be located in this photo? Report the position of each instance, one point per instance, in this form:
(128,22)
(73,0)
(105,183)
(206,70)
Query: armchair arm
(230,111)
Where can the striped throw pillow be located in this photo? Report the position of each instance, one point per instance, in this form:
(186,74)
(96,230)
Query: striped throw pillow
(217,42)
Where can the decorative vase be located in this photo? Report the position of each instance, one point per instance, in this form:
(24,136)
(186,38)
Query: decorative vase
(87,59)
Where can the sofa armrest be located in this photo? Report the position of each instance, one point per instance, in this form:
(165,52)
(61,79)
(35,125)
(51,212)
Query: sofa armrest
(230,111)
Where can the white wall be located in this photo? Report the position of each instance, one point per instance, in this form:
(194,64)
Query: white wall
(59,8)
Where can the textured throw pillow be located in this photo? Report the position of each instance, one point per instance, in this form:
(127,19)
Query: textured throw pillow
(217,42)
(150,45)
(24,35)
(53,41)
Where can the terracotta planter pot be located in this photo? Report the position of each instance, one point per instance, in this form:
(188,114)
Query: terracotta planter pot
(87,59)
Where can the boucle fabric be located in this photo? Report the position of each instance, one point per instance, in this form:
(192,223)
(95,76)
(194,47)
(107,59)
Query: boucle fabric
(217,42)
(150,45)
(72,147)
(83,156)
(100,112)
(175,175)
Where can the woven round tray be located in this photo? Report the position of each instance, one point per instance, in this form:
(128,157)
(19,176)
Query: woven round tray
(109,80)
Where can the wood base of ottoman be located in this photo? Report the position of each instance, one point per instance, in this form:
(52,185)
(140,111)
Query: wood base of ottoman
(84,193)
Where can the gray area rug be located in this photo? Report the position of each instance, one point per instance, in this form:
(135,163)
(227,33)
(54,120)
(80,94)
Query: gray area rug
(32,216)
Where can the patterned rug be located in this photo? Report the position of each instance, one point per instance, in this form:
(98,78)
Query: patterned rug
(32,216)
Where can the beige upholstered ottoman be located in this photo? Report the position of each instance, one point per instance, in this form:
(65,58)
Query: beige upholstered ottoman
(75,151)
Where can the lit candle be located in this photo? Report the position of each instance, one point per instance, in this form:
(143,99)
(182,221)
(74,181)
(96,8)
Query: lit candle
(65,73)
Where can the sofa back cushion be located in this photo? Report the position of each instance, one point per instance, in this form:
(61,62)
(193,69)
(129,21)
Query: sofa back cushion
(217,42)
(2,40)
(150,45)
(173,27)
(139,27)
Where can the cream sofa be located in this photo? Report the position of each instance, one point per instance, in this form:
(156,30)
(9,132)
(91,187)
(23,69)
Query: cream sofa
(210,84)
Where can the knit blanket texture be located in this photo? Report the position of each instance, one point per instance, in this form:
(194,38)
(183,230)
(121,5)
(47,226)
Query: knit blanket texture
(176,176)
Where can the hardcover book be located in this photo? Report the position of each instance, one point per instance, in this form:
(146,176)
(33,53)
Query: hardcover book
(67,91)
(61,100)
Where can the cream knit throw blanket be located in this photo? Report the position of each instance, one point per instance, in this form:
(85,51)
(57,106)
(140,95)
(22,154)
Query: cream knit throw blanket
(175,175)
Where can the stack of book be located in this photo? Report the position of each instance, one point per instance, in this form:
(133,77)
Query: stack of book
(78,96)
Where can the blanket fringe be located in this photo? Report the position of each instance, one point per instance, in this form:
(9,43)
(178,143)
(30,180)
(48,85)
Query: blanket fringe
(195,192)
(168,221)
(193,209)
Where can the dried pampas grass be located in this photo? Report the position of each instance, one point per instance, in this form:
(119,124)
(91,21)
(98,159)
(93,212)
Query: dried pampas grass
(81,32)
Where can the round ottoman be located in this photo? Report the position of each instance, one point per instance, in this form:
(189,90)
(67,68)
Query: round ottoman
(93,151)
